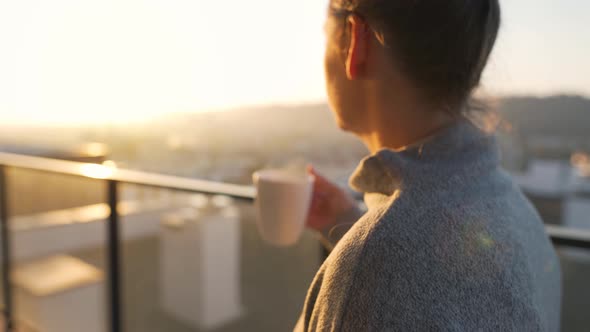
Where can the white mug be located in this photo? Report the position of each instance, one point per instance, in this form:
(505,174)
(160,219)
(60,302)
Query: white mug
(282,205)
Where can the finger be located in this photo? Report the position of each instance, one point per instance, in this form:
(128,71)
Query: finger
(317,200)
(320,180)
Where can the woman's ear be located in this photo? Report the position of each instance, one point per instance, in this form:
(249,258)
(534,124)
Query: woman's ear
(356,59)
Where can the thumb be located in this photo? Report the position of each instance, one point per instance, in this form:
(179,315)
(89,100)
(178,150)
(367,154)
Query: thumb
(311,171)
(320,180)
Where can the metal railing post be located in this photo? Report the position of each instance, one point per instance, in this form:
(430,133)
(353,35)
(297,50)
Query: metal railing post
(114,259)
(6,255)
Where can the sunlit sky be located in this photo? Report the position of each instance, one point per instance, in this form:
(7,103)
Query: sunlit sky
(111,61)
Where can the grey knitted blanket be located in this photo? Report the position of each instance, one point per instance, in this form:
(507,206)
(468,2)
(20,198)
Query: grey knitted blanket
(449,243)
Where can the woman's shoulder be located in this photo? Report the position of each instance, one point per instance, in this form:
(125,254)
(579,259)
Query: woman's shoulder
(414,221)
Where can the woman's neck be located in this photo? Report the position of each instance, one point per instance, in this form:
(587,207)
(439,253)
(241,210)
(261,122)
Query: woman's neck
(400,123)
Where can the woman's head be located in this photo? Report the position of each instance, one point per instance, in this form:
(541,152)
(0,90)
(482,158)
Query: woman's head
(438,47)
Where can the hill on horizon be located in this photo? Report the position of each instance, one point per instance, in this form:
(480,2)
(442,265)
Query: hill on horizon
(558,116)
(561,115)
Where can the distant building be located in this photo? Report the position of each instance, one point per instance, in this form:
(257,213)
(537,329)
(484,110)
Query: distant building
(549,178)
(558,192)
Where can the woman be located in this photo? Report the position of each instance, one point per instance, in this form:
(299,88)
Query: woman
(448,243)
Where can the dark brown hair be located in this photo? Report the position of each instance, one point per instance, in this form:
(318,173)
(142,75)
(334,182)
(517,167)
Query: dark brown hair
(442,46)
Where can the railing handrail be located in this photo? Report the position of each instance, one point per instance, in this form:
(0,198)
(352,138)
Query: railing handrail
(570,237)
(560,235)
(127,176)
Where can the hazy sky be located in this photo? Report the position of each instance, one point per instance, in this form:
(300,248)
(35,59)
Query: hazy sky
(72,61)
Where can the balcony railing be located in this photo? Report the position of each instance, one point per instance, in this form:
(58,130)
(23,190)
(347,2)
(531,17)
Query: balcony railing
(113,177)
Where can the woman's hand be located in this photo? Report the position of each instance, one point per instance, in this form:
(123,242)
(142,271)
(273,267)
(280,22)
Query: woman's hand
(328,203)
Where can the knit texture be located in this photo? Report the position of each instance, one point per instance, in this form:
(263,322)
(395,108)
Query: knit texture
(449,243)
